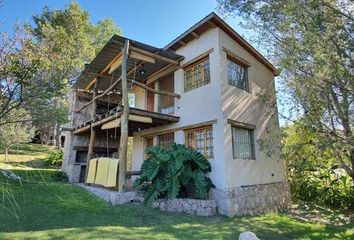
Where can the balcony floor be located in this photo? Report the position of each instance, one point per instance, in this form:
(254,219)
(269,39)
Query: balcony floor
(134,125)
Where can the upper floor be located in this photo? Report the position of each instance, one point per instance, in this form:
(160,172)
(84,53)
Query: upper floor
(209,71)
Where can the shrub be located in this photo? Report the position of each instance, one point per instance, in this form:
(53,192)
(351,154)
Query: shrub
(313,170)
(55,158)
(179,172)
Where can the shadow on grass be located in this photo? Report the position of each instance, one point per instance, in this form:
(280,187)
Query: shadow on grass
(49,209)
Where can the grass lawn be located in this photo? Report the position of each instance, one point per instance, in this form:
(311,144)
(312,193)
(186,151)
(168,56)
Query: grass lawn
(42,207)
(25,156)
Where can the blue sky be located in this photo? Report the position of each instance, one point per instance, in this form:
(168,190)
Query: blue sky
(155,22)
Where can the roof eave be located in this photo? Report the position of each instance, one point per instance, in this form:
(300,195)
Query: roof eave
(214,19)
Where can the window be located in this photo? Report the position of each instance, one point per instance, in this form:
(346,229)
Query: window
(165,141)
(243,143)
(197,75)
(237,73)
(201,140)
(167,103)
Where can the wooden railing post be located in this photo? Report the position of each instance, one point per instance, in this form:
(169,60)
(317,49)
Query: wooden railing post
(123,144)
(93,130)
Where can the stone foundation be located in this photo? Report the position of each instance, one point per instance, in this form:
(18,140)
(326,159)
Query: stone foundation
(111,196)
(252,200)
(184,205)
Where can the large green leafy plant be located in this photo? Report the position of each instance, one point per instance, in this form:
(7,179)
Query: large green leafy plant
(178,172)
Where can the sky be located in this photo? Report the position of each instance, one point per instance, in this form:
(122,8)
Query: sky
(154,22)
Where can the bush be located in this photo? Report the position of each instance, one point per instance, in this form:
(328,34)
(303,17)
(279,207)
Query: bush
(179,172)
(313,170)
(55,158)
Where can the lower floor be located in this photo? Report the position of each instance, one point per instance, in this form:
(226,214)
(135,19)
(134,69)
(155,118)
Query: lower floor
(248,180)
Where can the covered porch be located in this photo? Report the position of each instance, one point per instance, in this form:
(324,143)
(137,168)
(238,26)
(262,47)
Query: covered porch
(104,87)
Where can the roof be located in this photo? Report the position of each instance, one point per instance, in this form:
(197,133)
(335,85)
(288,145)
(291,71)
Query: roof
(112,48)
(211,21)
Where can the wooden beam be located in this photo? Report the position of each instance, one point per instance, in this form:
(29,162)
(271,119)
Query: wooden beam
(116,122)
(123,144)
(161,73)
(93,130)
(111,124)
(153,55)
(160,92)
(182,43)
(141,57)
(104,70)
(104,120)
(81,130)
(196,35)
(211,23)
(197,125)
(116,64)
(90,84)
(110,88)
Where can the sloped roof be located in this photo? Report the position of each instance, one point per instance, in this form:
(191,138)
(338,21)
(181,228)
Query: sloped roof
(110,51)
(211,21)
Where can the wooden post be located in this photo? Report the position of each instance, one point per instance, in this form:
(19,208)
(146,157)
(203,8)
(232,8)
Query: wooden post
(93,130)
(123,144)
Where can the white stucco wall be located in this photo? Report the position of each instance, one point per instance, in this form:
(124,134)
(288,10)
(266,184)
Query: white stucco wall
(196,106)
(220,101)
(248,108)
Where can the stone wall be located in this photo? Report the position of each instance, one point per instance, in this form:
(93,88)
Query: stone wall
(252,200)
(70,166)
(184,205)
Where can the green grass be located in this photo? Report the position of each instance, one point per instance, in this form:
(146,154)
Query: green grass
(41,207)
(25,156)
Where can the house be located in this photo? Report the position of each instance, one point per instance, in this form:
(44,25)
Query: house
(208,89)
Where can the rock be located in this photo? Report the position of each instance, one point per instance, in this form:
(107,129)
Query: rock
(248,236)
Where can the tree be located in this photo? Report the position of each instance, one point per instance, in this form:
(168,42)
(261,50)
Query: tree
(312,42)
(17,131)
(72,40)
(312,170)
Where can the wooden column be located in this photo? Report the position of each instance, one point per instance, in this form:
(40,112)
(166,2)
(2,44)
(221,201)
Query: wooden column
(123,144)
(93,130)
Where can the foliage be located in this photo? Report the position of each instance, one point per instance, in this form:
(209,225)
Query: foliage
(55,158)
(178,172)
(71,40)
(39,61)
(15,132)
(312,42)
(46,209)
(313,171)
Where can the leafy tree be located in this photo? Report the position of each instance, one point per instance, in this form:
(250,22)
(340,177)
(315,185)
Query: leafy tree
(313,171)
(17,131)
(312,42)
(172,173)
(71,40)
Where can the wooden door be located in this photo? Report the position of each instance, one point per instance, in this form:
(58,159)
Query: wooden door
(149,142)
(151,100)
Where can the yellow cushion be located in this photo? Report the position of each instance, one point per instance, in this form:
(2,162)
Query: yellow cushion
(112,173)
(102,171)
(91,174)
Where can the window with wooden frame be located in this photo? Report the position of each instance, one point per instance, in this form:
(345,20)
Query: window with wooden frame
(166,140)
(201,140)
(197,74)
(237,73)
(243,146)
(167,103)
